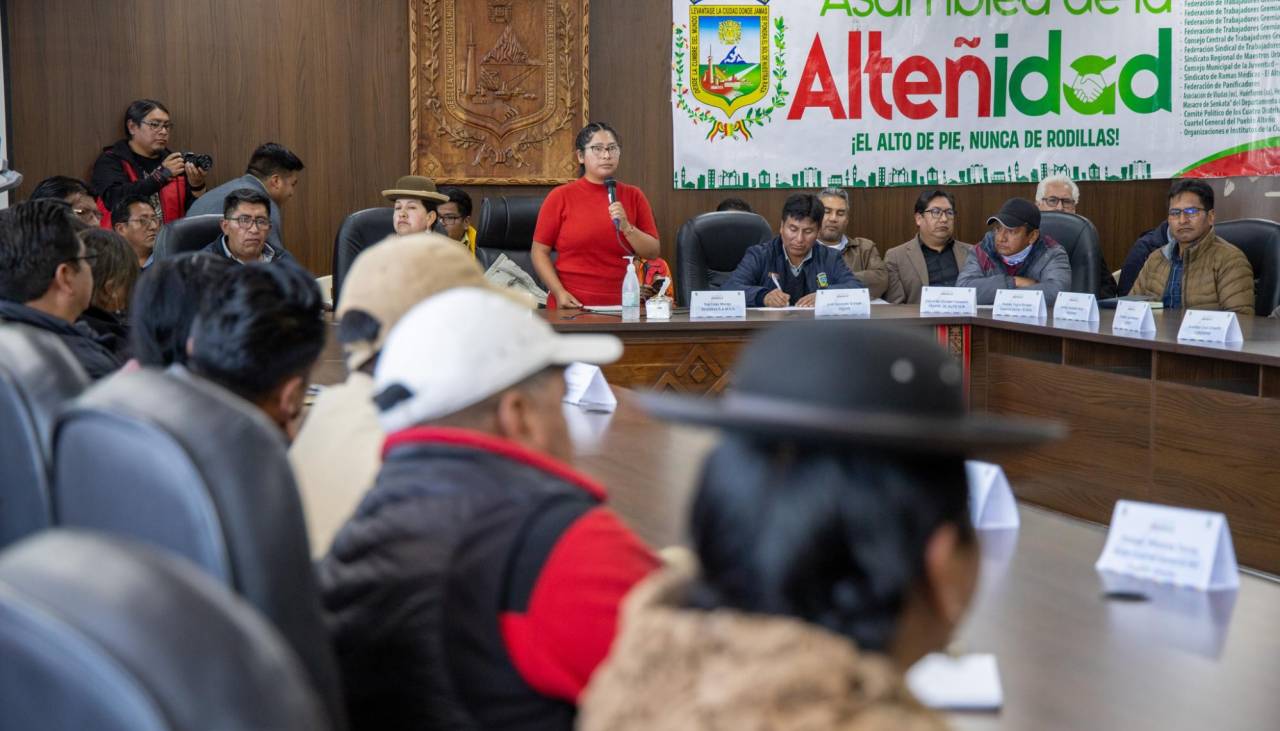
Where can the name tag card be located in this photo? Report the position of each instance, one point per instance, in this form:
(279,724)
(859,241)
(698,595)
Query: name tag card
(1019,304)
(948,301)
(1204,326)
(1170,546)
(965,683)
(991,503)
(584,386)
(718,304)
(842,303)
(1076,306)
(1133,316)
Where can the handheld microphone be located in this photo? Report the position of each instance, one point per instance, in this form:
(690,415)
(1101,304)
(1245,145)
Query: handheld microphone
(611,186)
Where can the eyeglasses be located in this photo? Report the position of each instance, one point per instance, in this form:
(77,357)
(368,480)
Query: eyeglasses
(247,223)
(1191,213)
(157,125)
(146,221)
(1053,202)
(450,217)
(940,212)
(600,150)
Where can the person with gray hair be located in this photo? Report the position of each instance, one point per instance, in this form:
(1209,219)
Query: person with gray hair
(1059,193)
(860,254)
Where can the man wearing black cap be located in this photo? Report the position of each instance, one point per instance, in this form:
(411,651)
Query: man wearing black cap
(1016,255)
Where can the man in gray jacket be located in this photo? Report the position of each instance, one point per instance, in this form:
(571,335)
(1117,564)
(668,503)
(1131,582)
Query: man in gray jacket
(1016,255)
(273,171)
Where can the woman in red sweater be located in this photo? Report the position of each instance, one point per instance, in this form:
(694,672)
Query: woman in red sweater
(591,235)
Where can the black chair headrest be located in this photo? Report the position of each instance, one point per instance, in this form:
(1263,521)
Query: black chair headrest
(103,633)
(190,233)
(726,235)
(1259,239)
(507,222)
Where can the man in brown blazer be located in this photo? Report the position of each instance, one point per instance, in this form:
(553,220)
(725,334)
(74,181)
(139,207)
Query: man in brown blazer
(933,258)
(860,255)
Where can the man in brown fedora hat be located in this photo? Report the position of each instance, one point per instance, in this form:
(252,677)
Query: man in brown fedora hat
(415,198)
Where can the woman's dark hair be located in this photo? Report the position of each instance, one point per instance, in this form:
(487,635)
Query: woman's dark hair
(116,264)
(59,187)
(139,110)
(584,138)
(834,538)
(165,301)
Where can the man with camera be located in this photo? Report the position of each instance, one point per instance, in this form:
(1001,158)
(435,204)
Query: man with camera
(273,171)
(142,164)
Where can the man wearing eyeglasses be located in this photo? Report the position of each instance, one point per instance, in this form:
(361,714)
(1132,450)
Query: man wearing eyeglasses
(46,281)
(1197,269)
(246,224)
(455,216)
(142,164)
(1016,254)
(933,258)
(138,222)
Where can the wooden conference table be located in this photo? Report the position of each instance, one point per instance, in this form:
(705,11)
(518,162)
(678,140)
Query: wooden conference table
(1069,659)
(1151,418)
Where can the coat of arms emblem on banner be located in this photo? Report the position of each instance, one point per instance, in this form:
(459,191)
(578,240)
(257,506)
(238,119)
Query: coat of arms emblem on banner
(729,58)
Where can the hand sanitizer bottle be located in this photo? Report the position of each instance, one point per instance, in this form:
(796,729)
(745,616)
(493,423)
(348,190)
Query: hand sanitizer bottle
(630,293)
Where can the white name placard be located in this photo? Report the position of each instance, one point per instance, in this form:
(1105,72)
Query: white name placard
(1133,316)
(842,303)
(1170,546)
(948,301)
(1019,304)
(991,503)
(965,683)
(1075,306)
(718,304)
(1205,326)
(584,386)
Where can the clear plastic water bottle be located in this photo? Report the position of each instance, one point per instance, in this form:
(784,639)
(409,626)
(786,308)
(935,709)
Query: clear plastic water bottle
(630,293)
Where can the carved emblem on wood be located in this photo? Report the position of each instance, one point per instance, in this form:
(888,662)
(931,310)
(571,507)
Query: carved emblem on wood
(498,89)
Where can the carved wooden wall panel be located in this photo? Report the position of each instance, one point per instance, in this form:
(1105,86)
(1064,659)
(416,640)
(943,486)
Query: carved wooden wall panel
(498,89)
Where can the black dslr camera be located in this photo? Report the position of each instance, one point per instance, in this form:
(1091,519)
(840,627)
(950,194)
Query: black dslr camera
(204,162)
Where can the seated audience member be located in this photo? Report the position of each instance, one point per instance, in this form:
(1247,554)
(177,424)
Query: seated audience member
(136,220)
(46,279)
(1198,270)
(165,301)
(1015,254)
(74,193)
(455,214)
(1060,193)
(115,271)
(734,204)
(258,334)
(835,551)
(478,583)
(416,204)
(1138,254)
(789,270)
(142,164)
(933,258)
(274,172)
(339,448)
(860,254)
(245,226)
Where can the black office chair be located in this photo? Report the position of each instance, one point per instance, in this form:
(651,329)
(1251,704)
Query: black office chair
(1259,239)
(173,460)
(1079,237)
(100,633)
(37,376)
(506,226)
(358,232)
(709,247)
(191,233)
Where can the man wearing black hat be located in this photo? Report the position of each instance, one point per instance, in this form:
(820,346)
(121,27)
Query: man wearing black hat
(1016,255)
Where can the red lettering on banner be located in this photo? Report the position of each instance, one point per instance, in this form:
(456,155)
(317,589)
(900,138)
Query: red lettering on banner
(904,89)
(877,67)
(816,69)
(956,69)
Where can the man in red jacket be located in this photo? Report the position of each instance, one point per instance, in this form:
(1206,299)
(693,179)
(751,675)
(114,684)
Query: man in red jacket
(477,585)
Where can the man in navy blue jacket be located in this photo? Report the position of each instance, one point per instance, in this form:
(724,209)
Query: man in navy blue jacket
(789,270)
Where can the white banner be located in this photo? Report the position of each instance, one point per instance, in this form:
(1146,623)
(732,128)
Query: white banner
(870,93)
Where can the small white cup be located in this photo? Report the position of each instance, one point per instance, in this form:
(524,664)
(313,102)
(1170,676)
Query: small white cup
(658,308)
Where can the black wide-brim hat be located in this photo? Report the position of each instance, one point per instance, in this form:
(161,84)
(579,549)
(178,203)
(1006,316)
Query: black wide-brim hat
(853,383)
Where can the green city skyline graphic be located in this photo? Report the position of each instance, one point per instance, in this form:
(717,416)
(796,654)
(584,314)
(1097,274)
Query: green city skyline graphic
(887,176)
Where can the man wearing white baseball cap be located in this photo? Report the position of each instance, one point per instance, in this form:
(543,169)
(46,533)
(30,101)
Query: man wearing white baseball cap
(478,583)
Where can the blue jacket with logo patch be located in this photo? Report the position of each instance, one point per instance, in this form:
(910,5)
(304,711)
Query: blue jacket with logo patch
(824,269)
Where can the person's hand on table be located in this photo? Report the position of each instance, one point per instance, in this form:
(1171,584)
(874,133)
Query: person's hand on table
(1024,282)
(809,300)
(777,298)
(564,300)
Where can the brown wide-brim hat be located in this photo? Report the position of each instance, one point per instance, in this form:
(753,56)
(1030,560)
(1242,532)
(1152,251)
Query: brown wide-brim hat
(853,384)
(415,186)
